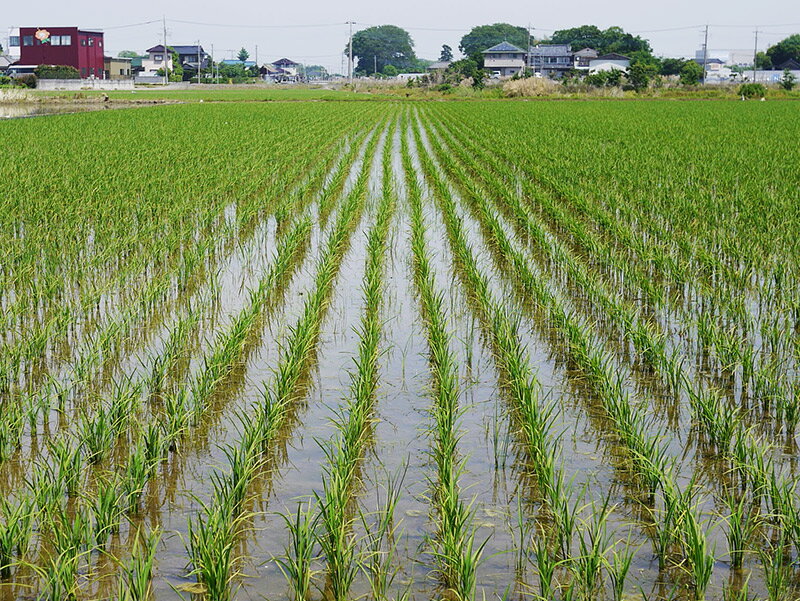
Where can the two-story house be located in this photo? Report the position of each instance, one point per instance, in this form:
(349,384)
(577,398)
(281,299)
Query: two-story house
(504,59)
(552,60)
(188,57)
(71,46)
(582,58)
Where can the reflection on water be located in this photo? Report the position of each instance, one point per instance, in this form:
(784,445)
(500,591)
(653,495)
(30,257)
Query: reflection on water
(19,110)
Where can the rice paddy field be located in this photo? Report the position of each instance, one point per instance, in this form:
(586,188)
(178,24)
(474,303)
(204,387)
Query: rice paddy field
(401,350)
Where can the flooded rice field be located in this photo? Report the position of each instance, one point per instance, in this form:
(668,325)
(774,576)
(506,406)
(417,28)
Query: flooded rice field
(474,350)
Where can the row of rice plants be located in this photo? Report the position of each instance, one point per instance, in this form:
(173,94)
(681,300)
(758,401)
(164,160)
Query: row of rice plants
(212,534)
(642,334)
(455,548)
(646,452)
(346,449)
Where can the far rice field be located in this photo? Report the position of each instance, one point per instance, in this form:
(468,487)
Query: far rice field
(401,350)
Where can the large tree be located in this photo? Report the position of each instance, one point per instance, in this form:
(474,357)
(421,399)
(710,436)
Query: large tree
(786,49)
(613,39)
(485,36)
(383,45)
(446,55)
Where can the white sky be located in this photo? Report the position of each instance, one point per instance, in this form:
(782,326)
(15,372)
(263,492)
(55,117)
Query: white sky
(293,30)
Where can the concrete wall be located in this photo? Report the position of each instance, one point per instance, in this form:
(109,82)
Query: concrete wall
(85,84)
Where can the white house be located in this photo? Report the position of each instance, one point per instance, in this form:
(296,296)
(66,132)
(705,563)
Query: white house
(609,62)
(155,61)
(504,59)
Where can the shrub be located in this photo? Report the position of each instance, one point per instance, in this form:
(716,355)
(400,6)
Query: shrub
(5,80)
(752,90)
(26,81)
(788,80)
(56,72)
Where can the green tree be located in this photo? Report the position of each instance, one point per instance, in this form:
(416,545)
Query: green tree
(672,66)
(177,68)
(786,49)
(788,80)
(446,55)
(466,68)
(128,54)
(485,36)
(243,55)
(384,45)
(640,74)
(613,39)
(316,72)
(763,61)
(691,73)
(390,71)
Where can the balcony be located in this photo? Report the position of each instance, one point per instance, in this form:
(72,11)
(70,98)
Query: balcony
(503,63)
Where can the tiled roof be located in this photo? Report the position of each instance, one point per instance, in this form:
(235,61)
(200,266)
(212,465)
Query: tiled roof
(504,47)
(550,50)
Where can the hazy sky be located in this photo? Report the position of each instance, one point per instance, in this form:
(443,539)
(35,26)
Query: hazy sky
(313,31)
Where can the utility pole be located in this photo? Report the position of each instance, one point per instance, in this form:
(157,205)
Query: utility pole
(256,56)
(375,65)
(705,55)
(166,60)
(199,62)
(755,56)
(528,49)
(350,51)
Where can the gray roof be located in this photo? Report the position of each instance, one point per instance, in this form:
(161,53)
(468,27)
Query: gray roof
(504,47)
(438,65)
(613,56)
(710,61)
(178,49)
(550,50)
(590,52)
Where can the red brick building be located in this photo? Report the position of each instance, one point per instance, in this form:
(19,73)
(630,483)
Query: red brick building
(71,46)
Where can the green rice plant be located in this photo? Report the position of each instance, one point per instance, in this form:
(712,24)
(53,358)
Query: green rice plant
(700,558)
(594,542)
(135,583)
(546,566)
(777,571)
(210,546)
(66,463)
(11,426)
(107,510)
(618,568)
(134,479)
(381,535)
(96,435)
(742,525)
(296,563)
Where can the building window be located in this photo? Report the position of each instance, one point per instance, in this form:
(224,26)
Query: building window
(27,40)
(83,41)
(14,40)
(91,41)
(66,40)
(158,58)
(100,43)
(83,71)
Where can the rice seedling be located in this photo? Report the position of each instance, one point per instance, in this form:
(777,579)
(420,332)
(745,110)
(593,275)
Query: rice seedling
(296,564)
(135,583)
